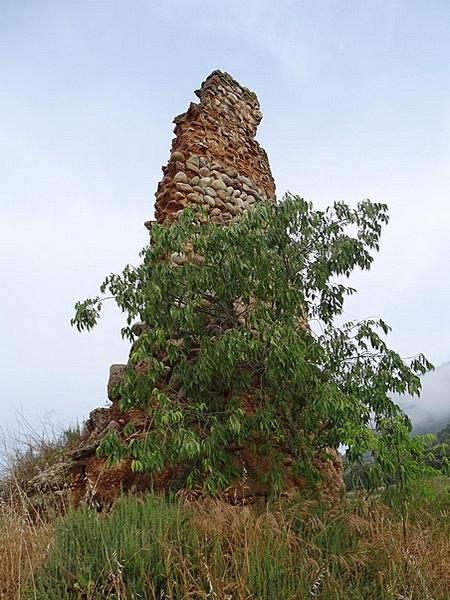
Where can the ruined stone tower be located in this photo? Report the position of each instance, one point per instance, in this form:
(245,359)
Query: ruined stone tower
(215,161)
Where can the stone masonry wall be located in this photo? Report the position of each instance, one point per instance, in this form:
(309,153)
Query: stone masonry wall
(215,161)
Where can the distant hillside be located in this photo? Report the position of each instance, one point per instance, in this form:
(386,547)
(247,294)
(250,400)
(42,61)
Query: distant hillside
(431,412)
(443,437)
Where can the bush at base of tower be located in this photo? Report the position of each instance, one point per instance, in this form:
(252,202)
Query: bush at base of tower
(241,349)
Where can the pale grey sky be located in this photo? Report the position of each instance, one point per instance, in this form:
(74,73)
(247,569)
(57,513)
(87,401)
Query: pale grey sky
(356,103)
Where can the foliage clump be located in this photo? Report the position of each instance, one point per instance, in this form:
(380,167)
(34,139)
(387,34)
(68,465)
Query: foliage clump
(242,345)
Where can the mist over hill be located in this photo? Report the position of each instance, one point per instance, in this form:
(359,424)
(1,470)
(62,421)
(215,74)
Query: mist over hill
(431,412)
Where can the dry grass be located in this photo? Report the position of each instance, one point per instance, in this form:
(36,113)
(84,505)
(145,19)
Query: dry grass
(24,544)
(356,550)
(30,453)
(155,548)
(26,529)
(152,547)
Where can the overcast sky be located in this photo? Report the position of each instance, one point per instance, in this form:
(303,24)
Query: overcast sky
(356,103)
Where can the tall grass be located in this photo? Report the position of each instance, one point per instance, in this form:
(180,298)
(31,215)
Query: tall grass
(154,547)
(26,531)
(24,544)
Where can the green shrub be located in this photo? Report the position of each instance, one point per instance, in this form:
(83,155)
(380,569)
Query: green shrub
(246,316)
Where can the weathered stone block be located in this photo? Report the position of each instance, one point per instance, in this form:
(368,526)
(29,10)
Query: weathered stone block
(116,373)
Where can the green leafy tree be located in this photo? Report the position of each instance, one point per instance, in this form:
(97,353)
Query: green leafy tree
(241,345)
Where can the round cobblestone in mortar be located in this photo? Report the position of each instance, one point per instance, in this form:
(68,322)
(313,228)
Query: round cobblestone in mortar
(177,156)
(204,172)
(218,184)
(255,194)
(195,180)
(184,187)
(209,200)
(210,191)
(193,160)
(196,198)
(227,180)
(232,173)
(205,181)
(180,177)
(191,167)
